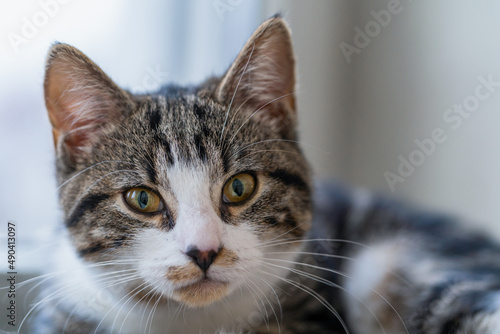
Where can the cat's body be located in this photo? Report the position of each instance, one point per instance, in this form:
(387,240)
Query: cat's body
(189,211)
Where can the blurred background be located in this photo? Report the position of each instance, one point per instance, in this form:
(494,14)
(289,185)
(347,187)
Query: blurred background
(400,97)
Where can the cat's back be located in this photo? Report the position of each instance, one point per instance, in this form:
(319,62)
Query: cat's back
(398,267)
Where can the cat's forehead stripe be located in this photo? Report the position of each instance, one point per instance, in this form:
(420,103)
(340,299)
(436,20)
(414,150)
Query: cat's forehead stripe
(200,147)
(155,118)
(191,134)
(199,111)
(150,169)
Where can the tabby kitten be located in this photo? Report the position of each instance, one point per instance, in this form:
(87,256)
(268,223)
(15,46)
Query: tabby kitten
(189,211)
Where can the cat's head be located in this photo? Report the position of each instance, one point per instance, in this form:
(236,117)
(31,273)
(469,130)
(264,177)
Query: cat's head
(196,189)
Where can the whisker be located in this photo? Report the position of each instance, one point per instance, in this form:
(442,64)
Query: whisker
(346,276)
(109,311)
(52,276)
(279,243)
(90,167)
(66,323)
(295,240)
(279,236)
(273,242)
(318,297)
(177,313)
(263,313)
(343,257)
(105,175)
(137,303)
(151,315)
(239,108)
(329,283)
(53,296)
(48,276)
(277,140)
(132,294)
(319,162)
(153,294)
(268,301)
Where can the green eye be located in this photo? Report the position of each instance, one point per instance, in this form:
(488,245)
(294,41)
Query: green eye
(238,188)
(143,200)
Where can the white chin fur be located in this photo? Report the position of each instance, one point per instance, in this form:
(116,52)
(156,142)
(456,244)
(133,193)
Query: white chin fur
(249,287)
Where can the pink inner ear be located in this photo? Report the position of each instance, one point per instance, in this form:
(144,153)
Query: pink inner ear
(75,112)
(79,97)
(263,77)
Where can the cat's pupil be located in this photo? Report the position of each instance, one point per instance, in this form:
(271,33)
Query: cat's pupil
(143,199)
(238,187)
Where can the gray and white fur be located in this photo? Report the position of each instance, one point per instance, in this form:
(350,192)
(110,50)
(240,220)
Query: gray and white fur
(363,265)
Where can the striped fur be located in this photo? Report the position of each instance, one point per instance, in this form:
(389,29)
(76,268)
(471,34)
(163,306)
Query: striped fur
(366,265)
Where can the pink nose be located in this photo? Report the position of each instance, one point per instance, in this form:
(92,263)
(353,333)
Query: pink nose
(202,258)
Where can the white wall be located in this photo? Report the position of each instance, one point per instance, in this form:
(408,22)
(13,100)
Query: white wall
(426,60)
(325,83)
(367,109)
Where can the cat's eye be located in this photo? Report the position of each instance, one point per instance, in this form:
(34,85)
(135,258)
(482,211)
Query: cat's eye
(238,188)
(143,200)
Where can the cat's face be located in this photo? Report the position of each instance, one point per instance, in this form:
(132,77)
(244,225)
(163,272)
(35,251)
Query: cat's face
(194,190)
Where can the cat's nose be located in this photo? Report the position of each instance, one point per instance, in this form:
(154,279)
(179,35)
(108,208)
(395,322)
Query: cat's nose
(202,258)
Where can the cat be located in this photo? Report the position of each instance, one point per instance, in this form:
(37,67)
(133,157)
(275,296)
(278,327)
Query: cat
(192,210)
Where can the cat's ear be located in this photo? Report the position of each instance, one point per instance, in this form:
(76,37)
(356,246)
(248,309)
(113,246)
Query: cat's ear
(262,78)
(81,99)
